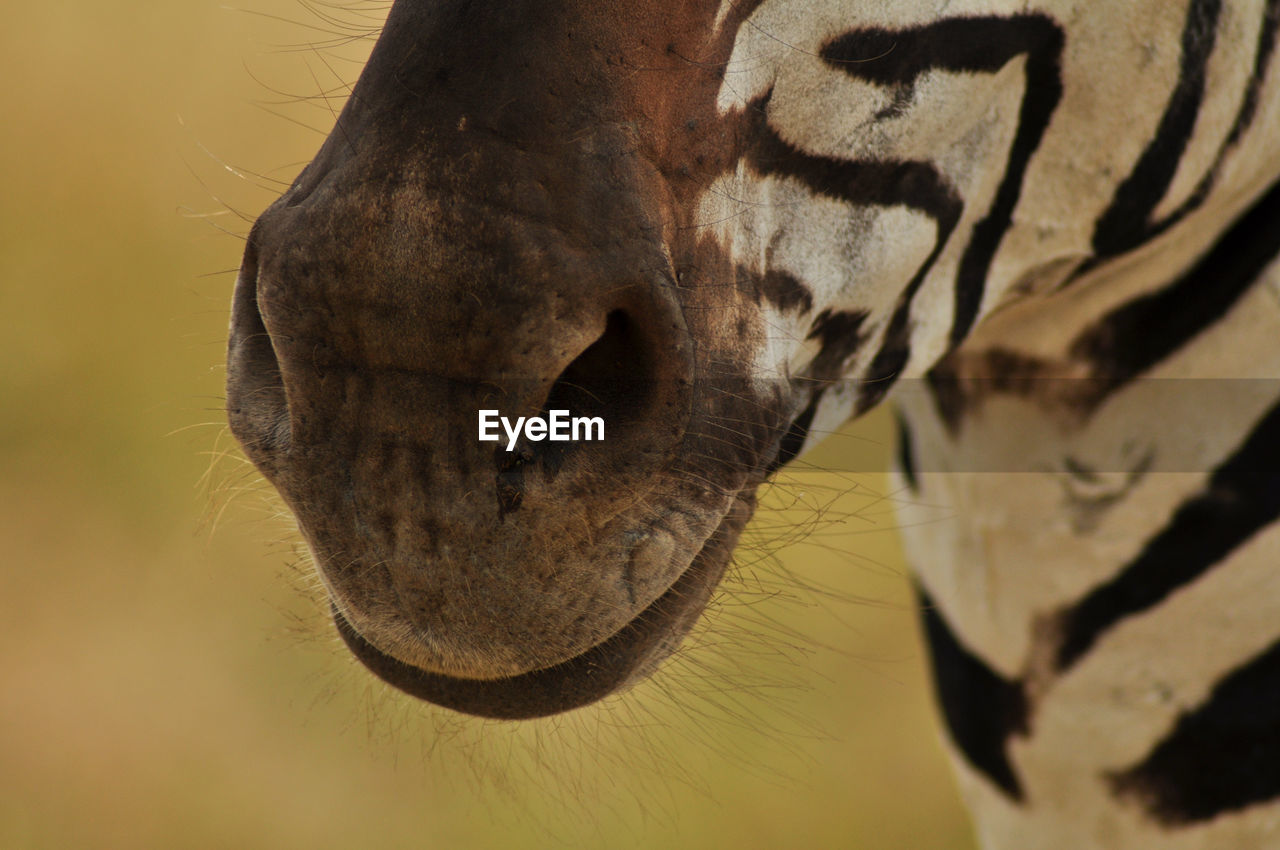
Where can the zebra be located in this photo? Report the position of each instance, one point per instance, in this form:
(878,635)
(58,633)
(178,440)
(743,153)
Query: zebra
(1046,231)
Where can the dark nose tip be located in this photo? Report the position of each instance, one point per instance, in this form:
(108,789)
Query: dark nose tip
(257,406)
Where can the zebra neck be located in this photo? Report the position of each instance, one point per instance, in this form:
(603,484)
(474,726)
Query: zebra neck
(1097,558)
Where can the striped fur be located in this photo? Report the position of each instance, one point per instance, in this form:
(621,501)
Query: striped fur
(1092,475)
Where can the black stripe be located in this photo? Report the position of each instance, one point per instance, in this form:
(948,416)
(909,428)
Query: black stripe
(982,710)
(915,185)
(1135,337)
(779,288)
(1244,120)
(1262,61)
(785,291)
(1127,222)
(1241,497)
(840,333)
(793,440)
(1221,757)
(976,45)
(895,348)
(906,452)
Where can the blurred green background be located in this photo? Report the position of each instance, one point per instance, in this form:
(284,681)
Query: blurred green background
(167,675)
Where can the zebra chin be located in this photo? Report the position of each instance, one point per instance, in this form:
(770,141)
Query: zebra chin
(611,666)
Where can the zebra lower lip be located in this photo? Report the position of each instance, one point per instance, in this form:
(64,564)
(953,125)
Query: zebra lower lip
(621,659)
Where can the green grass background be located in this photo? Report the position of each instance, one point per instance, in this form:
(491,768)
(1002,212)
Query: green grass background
(167,676)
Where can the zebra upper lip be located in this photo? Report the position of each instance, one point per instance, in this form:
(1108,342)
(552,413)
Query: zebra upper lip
(621,659)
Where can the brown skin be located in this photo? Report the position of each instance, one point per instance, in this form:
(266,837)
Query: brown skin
(503,218)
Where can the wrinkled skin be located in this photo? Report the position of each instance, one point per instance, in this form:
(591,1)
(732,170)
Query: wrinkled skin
(503,218)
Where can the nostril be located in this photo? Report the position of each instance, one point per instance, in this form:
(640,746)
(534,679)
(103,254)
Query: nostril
(611,379)
(257,409)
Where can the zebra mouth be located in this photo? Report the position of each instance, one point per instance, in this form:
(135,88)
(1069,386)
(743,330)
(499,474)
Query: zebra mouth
(625,657)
